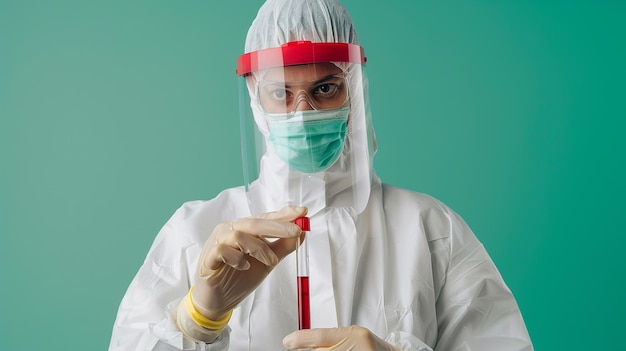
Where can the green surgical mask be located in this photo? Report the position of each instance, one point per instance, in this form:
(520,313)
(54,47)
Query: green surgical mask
(309,141)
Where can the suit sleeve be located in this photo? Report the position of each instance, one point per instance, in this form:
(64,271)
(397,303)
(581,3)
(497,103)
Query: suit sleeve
(145,319)
(475,309)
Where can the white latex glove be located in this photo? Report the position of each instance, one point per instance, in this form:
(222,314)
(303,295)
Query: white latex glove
(337,339)
(234,261)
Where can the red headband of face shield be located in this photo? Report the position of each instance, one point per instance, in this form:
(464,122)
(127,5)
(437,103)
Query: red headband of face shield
(299,53)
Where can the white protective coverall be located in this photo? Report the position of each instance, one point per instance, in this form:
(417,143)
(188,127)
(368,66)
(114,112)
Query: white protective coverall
(405,266)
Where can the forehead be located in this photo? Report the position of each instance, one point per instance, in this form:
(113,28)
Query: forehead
(301,73)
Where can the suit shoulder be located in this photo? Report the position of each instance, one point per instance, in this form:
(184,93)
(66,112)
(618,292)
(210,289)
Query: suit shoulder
(406,196)
(417,209)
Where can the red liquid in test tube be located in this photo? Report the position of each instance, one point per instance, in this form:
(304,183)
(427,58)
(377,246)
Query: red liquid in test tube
(304,306)
(302,273)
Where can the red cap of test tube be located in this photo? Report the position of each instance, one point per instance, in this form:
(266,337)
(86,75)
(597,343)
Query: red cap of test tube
(303,223)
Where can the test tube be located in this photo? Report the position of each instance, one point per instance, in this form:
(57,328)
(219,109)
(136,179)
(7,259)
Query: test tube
(302,273)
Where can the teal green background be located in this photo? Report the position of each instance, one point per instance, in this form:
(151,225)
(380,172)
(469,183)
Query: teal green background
(114,113)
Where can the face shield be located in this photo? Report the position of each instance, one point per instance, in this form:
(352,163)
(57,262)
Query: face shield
(305,127)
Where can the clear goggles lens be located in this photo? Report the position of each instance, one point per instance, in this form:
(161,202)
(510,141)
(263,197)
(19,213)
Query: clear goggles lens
(288,97)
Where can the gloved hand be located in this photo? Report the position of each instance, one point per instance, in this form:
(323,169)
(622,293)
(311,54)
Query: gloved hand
(238,256)
(337,339)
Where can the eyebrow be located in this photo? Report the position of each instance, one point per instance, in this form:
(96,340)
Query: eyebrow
(328,77)
(315,82)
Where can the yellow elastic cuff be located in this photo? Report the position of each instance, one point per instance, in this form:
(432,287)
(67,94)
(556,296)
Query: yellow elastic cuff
(203,321)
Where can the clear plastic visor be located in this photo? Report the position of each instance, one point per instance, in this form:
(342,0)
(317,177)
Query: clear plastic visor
(305,137)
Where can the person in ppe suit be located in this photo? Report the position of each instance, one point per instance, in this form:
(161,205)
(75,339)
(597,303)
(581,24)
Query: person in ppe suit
(390,269)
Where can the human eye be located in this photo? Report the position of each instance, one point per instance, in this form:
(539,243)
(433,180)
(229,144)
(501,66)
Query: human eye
(326,89)
(274,93)
(278,94)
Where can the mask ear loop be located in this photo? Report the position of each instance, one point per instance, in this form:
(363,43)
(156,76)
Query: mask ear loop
(255,105)
(346,70)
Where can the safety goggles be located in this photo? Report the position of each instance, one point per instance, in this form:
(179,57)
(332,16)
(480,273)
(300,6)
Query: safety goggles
(326,93)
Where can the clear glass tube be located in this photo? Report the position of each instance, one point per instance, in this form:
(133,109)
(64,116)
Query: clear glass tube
(302,273)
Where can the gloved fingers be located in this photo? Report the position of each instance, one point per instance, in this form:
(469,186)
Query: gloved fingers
(267,228)
(248,244)
(248,236)
(285,246)
(225,255)
(287,213)
(314,338)
(336,339)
